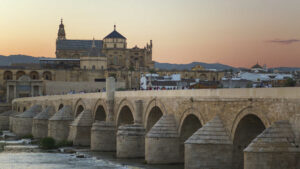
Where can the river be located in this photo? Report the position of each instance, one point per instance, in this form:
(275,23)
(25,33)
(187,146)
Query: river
(92,160)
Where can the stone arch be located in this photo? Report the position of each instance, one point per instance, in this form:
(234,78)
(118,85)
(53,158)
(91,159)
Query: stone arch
(190,123)
(152,117)
(79,107)
(34,75)
(187,112)
(7,75)
(248,128)
(47,75)
(124,102)
(246,111)
(153,103)
(203,77)
(125,116)
(19,74)
(60,106)
(100,111)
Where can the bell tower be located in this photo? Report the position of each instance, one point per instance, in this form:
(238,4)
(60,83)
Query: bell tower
(61,35)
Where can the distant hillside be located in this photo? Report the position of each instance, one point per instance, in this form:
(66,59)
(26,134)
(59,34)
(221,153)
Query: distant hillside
(8,60)
(286,69)
(169,66)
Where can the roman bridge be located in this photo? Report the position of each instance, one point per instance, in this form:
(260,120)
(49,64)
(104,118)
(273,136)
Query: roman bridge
(208,128)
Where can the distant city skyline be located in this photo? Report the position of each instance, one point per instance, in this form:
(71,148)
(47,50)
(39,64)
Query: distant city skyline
(232,32)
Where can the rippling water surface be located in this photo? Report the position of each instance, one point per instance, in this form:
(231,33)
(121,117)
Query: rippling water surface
(69,161)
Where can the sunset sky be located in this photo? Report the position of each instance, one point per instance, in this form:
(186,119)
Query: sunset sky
(233,32)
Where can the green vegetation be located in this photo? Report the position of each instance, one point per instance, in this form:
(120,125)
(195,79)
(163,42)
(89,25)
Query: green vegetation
(50,143)
(64,143)
(28,136)
(289,82)
(47,143)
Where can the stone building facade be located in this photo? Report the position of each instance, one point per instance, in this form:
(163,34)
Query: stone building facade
(93,61)
(113,47)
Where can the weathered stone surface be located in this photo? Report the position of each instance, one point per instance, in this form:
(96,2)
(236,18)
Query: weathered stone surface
(232,105)
(23,121)
(103,136)
(209,147)
(162,144)
(4,119)
(80,129)
(40,122)
(165,128)
(58,125)
(131,141)
(275,148)
(12,119)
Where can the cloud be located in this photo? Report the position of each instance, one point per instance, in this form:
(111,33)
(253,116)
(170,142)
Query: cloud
(284,42)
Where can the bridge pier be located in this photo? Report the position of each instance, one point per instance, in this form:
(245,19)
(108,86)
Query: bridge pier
(162,143)
(58,127)
(131,141)
(209,147)
(103,133)
(131,137)
(4,119)
(40,122)
(23,122)
(80,129)
(275,148)
(103,136)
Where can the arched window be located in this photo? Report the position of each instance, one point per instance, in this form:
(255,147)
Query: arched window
(7,75)
(34,75)
(47,75)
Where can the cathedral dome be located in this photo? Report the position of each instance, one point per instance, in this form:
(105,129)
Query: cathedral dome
(115,34)
(257,66)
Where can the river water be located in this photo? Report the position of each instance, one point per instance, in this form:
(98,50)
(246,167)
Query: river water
(26,160)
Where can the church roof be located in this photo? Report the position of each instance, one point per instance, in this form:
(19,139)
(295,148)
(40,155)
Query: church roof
(77,44)
(115,34)
(94,52)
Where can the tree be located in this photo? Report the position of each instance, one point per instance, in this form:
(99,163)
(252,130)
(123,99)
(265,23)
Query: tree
(290,82)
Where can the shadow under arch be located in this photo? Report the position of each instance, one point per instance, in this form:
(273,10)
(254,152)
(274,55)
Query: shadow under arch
(190,123)
(100,112)
(153,116)
(247,128)
(154,109)
(79,107)
(60,106)
(246,111)
(125,116)
(124,102)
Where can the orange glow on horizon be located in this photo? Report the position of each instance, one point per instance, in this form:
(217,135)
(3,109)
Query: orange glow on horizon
(233,32)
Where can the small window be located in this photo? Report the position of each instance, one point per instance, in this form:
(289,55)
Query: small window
(115,45)
(84,67)
(93,67)
(101,67)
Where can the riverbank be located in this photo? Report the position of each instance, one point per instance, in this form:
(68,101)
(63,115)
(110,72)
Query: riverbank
(24,154)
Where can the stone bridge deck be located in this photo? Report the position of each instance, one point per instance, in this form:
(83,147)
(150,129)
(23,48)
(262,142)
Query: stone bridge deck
(215,125)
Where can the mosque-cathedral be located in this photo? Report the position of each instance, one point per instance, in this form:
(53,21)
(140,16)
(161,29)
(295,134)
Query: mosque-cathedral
(110,53)
(83,65)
